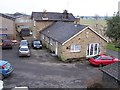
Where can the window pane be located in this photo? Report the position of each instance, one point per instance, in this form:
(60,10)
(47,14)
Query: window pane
(72,47)
(88,49)
(97,57)
(110,58)
(96,45)
(91,49)
(75,48)
(104,58)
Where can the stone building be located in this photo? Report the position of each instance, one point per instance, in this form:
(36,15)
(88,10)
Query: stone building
(7,26)
(68,40)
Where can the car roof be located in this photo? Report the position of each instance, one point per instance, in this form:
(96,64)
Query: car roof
(3,62)
(24,47)
(104,55)
(23,40)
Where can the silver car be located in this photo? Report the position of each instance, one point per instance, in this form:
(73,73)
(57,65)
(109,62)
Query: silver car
(24,51)
(24,43)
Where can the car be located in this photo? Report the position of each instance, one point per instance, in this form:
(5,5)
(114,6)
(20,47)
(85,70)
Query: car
(6,44)
(5,68)
(24,43)
(37,44)
(102,59)
(24,51)
(1,85)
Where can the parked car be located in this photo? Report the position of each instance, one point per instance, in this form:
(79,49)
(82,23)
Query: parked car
(6,44)
(24,51)
(1,85)
(102,59)
(5,68)
(25,31)
(37,44)
(24,43)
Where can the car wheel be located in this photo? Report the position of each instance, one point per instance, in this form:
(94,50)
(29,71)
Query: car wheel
(1,77)
(100,65)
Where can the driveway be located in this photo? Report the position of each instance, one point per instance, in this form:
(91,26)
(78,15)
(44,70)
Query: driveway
(42,70)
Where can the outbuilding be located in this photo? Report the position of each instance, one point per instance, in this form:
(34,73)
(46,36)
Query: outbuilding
(111,76)
(7,26)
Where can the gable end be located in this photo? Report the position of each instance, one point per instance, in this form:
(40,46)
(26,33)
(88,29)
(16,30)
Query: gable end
(82,31)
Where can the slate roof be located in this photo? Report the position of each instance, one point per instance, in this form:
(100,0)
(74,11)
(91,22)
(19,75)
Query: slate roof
(17,15)
(7,16)
(112,70)
(62,31)
(52,16)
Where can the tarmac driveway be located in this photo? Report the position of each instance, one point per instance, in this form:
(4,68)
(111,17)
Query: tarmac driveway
(42,70)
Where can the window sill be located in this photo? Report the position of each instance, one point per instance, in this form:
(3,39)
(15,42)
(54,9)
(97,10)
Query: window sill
(74,51)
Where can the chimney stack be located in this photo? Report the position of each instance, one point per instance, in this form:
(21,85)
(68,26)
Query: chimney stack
(45,14)
(77,21)
(65,14)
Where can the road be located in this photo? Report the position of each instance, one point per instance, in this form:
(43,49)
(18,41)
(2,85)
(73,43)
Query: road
(42,70)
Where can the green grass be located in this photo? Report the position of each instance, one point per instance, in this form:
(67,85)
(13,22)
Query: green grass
(92,22)
(112,47)
(103,23)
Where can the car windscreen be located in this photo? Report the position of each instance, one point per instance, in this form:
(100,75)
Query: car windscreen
(36,42)
(7,65)
(7,42)
(23,43)
(110,58)
(97,57)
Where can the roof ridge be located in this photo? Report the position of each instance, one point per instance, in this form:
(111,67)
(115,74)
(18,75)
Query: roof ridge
(7,16)
(50,12)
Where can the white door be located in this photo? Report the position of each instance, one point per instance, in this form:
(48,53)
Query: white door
(56,48)
(93,49)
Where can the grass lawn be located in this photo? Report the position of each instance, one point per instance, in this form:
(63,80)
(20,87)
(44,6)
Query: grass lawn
(112,47)
(92,22)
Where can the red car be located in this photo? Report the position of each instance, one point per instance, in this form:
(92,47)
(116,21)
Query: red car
(102,59)
(6,44)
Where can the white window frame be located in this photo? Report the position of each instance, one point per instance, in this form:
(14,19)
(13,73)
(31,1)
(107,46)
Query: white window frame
(89,47)
(75,48)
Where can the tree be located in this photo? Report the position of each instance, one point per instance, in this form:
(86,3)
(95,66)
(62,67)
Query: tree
(113,28)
